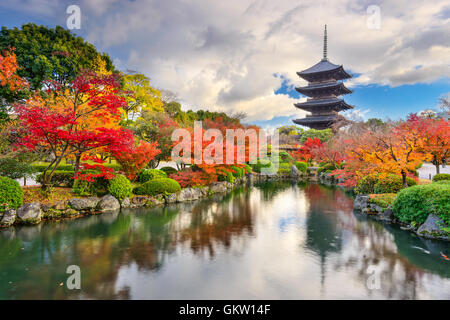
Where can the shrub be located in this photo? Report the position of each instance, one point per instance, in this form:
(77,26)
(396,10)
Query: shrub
(248,169)
(326,167)
(82,187)
(366,184)
(169,170)
(59,178)
(120,187)
(302,166)
(285,157)
(238,172)
(413,205)
(284,167)
(158,186)
(189,178)
(14,169)
(261,164)
(226,176)
(391,184)
(151,174)
(382,200)
(11,194)
(441,176)
(61,167)
(96,185)
(442,182)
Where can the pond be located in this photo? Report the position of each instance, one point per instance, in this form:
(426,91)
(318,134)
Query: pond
(277,240)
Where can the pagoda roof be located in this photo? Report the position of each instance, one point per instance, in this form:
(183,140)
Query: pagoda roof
(332,103)
(337,87)
(324,68)
(316,122)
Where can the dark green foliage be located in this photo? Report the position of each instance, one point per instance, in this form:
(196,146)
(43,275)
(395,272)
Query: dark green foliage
(169,170)
(59,178)
(441,176)
(302,166)
(151,174)
(82,187)
(120,187)
(11,194)
(158,186)
(366,184)
(326,167)
(442,182)
(413,205)
(14,169)
(392,184)
(239,172)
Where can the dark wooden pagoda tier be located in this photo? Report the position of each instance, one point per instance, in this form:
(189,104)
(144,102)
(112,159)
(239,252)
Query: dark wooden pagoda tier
(324,87)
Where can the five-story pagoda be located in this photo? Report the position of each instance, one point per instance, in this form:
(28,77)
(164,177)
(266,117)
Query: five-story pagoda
(323,89)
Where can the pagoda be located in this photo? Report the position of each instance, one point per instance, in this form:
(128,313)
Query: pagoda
(323,89)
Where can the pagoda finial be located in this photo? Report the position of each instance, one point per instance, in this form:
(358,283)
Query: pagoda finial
(325,44)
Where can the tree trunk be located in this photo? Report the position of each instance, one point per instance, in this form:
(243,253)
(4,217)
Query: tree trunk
(77,163)
(405,184)
(436,164)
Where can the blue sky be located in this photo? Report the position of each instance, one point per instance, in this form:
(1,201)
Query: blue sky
(243,55)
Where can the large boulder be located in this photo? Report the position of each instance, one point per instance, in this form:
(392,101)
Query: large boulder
(432,228)
(139,201)
(188,194)
(30,213)
(387,215)
(361,202)
(171,198)
(84,204)
(108,203)
(126,203)
(218,187)
(9,217)
(295,172)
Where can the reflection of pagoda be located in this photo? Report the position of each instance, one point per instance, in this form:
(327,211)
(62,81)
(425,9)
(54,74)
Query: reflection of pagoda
(323,89)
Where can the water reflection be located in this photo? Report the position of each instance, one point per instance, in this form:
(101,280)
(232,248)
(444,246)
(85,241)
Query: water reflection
(272,240)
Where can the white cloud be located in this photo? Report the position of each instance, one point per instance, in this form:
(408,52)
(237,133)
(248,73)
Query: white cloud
(223,55)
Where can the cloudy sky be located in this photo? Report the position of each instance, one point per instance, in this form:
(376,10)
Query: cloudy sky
(242,55)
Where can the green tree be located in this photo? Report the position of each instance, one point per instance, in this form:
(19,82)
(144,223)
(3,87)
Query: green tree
(323,135)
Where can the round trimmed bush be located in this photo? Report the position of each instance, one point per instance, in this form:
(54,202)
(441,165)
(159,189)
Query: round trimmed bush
(441,177)
(366,184)
(392,184)
(120,187)
(413,205)
(169,170)
(284,167)
(301,166)
(11,194)
(151,174)
(158,186)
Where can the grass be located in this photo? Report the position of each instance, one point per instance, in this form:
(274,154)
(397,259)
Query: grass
(424,181)
(34,194)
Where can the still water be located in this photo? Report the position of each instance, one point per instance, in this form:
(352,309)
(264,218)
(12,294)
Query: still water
(271,241)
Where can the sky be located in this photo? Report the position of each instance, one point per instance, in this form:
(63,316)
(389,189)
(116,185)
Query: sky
(243,55)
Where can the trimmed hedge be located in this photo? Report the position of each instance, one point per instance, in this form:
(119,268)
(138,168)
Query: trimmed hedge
(151,174)
(11,194)
(392,184)
(441,177)
(120,187)
(302,166)
(59,178)
(158,186)
(413,205)
(374,183)
(169,170)
(61,167)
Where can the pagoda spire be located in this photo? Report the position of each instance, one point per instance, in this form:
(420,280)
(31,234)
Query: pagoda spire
(325,45)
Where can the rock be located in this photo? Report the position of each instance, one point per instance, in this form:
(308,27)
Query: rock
(171,198)
(126,203)
(83,204)
(70,213)
(218,187)
(188,194)
(108,203)
(432,228)
(295,172)
(30,213)
(154,201)
(361,202)
(139,201)
(387,215)
(9,217)
(60,205)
